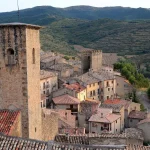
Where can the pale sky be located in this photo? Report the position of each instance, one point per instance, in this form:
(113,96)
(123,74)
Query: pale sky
(9,5)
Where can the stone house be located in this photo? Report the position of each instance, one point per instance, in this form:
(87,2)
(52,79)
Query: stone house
(48,84)
(87,109)
(123,87)
(117,109)
(64,70)
(135,117)
(100,85)
(122,106)
(79,91)
(144,125)
(10,122)
(66,102)
(104,121)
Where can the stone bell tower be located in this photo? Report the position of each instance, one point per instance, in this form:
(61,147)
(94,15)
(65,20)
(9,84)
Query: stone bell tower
(20,74)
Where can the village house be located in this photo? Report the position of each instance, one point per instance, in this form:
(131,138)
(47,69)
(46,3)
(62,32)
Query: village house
(144,125)
(104,121)
(107,84)
(87,108)
(123,87)
(48,84)
(135,117)
(66,102)
(79,91)
(91,84)
(124,107)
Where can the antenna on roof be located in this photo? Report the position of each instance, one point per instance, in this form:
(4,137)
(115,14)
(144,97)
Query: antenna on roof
(18,10)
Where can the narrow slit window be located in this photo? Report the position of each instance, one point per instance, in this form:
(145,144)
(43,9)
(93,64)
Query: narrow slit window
(33,56)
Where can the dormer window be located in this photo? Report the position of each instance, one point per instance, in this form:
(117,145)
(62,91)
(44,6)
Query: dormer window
(10,57)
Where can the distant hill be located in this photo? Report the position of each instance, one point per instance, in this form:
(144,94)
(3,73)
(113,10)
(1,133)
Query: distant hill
(44,15)
(112,29)
(123,37)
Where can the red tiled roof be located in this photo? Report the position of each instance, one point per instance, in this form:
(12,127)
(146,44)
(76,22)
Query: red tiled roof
(75,86)
(125,103)
(7,119)
(66,99)
(137,114)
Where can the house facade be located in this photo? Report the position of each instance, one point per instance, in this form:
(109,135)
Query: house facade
(104,121)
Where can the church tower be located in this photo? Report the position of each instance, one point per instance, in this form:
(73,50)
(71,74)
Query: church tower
(20,75)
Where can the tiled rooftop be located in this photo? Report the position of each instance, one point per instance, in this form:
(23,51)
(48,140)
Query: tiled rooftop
(87,78)
(134,114)
(84,138)
(147,120)
(61,66)
(134,133)
(46,74)
(14,143)
(104,115)
(118,102)
(116,108)
(75,86)
(7,120)
(66,100)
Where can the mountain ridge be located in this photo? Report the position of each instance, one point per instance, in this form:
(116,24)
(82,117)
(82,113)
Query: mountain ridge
(44,15)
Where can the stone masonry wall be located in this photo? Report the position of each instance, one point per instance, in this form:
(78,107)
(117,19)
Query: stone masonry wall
(13,83)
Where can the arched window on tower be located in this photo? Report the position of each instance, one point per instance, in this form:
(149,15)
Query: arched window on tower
(10,56)
(33,56)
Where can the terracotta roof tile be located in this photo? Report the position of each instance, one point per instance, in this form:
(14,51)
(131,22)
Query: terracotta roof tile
(66,99)
(7,119)
(75,86)
(134,114)
(14,143)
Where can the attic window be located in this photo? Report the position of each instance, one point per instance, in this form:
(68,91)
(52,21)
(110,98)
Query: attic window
(11,56)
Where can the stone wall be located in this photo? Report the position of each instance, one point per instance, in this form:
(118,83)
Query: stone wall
(49,125)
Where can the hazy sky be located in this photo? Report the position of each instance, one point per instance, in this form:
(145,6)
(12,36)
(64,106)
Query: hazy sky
(9,5)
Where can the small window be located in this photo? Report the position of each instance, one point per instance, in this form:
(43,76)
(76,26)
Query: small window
(11,56)
(98,91)
(112,89)
(90,93)
(112,82)
(35,129)
(44,85)
(107,83)
(108,89)
(130,120)
(44,92)
(33,56)
(117,84)
(41,105)
(107,97)
(94,93)
(116,121)
(116,130)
